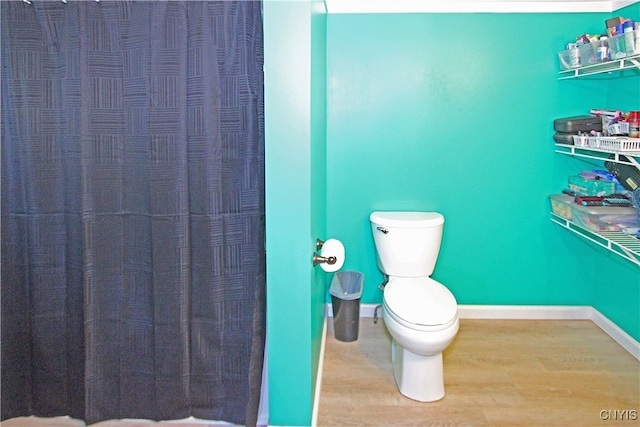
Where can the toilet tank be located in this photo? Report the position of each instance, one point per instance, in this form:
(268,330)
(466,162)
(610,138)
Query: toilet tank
(407,243)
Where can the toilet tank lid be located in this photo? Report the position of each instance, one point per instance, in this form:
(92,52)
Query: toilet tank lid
(407,219)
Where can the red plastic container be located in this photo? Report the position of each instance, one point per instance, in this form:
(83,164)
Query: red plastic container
(634,124)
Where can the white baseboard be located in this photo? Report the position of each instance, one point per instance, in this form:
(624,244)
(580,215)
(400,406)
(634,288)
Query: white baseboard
(616,333)
(366,310)
(522,312)
(525,312)
(316,397)
(534,312)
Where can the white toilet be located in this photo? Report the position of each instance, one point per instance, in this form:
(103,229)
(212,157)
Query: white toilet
(420,313)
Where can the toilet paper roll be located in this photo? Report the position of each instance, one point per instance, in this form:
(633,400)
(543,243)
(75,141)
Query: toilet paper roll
(335,248)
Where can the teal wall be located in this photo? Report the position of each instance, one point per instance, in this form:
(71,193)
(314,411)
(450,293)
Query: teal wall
(318,171)
(454,113)
(295,140)
(618,296)
(375,112)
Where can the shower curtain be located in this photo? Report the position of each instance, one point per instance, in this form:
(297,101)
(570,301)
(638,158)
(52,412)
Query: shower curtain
(133,267)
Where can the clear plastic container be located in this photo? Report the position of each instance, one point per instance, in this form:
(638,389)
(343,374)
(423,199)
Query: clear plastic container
(604,218)
(630,42)
(617,47)
(569,59)
(601,48)
(588,53)
(561,205)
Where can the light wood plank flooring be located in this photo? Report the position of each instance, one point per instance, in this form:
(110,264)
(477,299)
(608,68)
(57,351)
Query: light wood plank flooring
(497,372)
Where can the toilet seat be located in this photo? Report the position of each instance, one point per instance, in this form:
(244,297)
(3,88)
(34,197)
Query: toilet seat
(420,303)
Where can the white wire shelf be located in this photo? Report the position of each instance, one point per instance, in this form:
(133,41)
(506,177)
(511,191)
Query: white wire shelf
(630,157)
(630,62)
(619,243)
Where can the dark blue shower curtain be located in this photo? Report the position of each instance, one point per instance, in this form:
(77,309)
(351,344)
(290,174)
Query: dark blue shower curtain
(133,267)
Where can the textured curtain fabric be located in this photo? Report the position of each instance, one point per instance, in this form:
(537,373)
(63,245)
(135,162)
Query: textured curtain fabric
(133,267)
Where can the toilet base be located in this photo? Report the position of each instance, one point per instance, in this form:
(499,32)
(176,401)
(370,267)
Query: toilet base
(418,377)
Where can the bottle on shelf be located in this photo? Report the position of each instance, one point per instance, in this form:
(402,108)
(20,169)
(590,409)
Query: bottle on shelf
(634,124)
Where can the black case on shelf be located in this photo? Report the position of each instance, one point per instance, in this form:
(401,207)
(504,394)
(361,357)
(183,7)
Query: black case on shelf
(564,138)
(578,124)
(627,175)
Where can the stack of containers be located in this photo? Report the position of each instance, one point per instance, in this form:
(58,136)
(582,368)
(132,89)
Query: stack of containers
(596,200)
(608,130)
(621,40)
(625,40)
(577,130)
(585,203)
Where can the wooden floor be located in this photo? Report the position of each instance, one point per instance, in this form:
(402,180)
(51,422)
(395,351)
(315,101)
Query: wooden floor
(497,372)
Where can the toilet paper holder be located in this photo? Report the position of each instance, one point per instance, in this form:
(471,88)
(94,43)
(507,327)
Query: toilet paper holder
(317,259)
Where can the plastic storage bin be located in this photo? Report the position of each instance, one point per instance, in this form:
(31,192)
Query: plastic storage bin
(601,50)
(589,53)
(569,59)
(618,47)
(604,218)
(585,141)
(630,39)
(617,143)
(346,290)
(561,205)
(591,187)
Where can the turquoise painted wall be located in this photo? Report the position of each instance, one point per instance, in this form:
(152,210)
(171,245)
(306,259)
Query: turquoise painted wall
(618,296)
(295,138)
(318,172)
(367,112)
(454,113)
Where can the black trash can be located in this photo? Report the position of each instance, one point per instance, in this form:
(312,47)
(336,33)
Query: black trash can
(346,290)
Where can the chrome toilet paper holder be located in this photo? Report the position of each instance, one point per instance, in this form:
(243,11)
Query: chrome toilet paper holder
(317,259)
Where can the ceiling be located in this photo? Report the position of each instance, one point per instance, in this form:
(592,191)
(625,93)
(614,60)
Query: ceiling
(471,6)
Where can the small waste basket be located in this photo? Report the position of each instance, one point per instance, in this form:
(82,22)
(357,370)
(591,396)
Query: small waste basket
(346,290)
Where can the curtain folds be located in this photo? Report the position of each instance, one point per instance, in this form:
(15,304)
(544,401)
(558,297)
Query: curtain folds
(133,267)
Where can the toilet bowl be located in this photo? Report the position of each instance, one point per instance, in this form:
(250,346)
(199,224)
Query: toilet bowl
(419,312)
(421,316)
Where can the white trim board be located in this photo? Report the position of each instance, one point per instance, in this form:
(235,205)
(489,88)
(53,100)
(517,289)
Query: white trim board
(533,312)
(475,6)
(316,397)
(525,312)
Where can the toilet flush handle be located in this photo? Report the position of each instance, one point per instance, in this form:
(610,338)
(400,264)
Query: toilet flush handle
(384,230)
